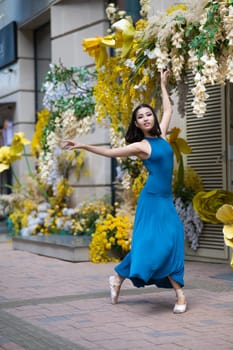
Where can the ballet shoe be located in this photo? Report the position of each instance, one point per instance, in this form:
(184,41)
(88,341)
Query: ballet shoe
(114,284)
(180,308)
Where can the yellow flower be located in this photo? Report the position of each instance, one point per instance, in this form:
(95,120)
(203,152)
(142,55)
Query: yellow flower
(206,204)
(5,158)
(43,117)
(177,7)
(124,35)
(112,233)
(18,142)
(225,215)
(141,24)
(139,182)
(192,180)
(228,235)
(96,47)
(178,144)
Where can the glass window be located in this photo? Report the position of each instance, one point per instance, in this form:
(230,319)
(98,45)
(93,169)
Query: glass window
(132,7)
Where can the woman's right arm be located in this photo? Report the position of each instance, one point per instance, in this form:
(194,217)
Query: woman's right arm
(138,149)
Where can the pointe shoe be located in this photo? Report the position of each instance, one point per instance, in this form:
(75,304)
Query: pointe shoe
(180,308)
(115,285)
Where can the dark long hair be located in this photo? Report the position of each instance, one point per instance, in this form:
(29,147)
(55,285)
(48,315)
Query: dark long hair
(134,134)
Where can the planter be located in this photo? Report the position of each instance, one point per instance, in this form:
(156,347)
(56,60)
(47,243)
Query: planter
(64,247)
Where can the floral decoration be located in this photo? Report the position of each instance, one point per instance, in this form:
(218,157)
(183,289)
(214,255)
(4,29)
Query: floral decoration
(206,204)
(9,154)
(183,196)
(196,36)
(42,120)
(186,183)
(68,96)
(45,196)
(225,215)
(111,239)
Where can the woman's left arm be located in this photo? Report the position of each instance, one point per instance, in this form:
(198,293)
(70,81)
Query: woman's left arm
(167,107)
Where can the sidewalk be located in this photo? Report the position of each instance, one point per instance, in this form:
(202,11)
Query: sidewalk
(49,304)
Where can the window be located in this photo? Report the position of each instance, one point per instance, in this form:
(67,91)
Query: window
(132,7)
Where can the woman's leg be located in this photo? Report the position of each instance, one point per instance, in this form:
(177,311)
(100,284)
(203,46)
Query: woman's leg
(115,282)
(181,305)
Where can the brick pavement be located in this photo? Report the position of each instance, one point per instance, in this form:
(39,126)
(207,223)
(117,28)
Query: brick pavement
(48,304)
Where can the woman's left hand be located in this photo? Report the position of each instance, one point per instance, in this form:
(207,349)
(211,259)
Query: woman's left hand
(69,144)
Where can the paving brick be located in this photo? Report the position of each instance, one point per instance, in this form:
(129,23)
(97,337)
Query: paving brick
(49,304)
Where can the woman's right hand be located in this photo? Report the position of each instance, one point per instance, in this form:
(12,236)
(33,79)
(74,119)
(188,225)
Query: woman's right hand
(164,77)
(69,144)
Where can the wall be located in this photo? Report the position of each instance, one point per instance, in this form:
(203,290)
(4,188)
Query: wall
(71,22)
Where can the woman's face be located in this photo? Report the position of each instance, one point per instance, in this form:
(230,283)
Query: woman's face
(145,120)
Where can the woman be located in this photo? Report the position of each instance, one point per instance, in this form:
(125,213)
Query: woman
(157,251)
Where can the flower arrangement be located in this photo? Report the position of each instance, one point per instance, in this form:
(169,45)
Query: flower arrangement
(196,36)
(47,219)
(51,216)
(111,239)
(68,96)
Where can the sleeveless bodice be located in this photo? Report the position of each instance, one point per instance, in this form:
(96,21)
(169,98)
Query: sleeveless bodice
(159,166)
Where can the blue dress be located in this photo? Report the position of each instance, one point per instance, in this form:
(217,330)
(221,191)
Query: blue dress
(157,249)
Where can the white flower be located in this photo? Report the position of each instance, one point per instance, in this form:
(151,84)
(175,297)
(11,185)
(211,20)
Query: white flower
(68,211)
(177,66)
(67,225)
(200,95)
(42,215)
(178,38)
(203,20)
(25,232)
(111,11)
(210,69)
(140,87)
(130,63)
(193,61)
(126,181)
(228,25)
(59,223)
(116,139)
(162,59)
(160,55)
(144,8)
(229,75)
